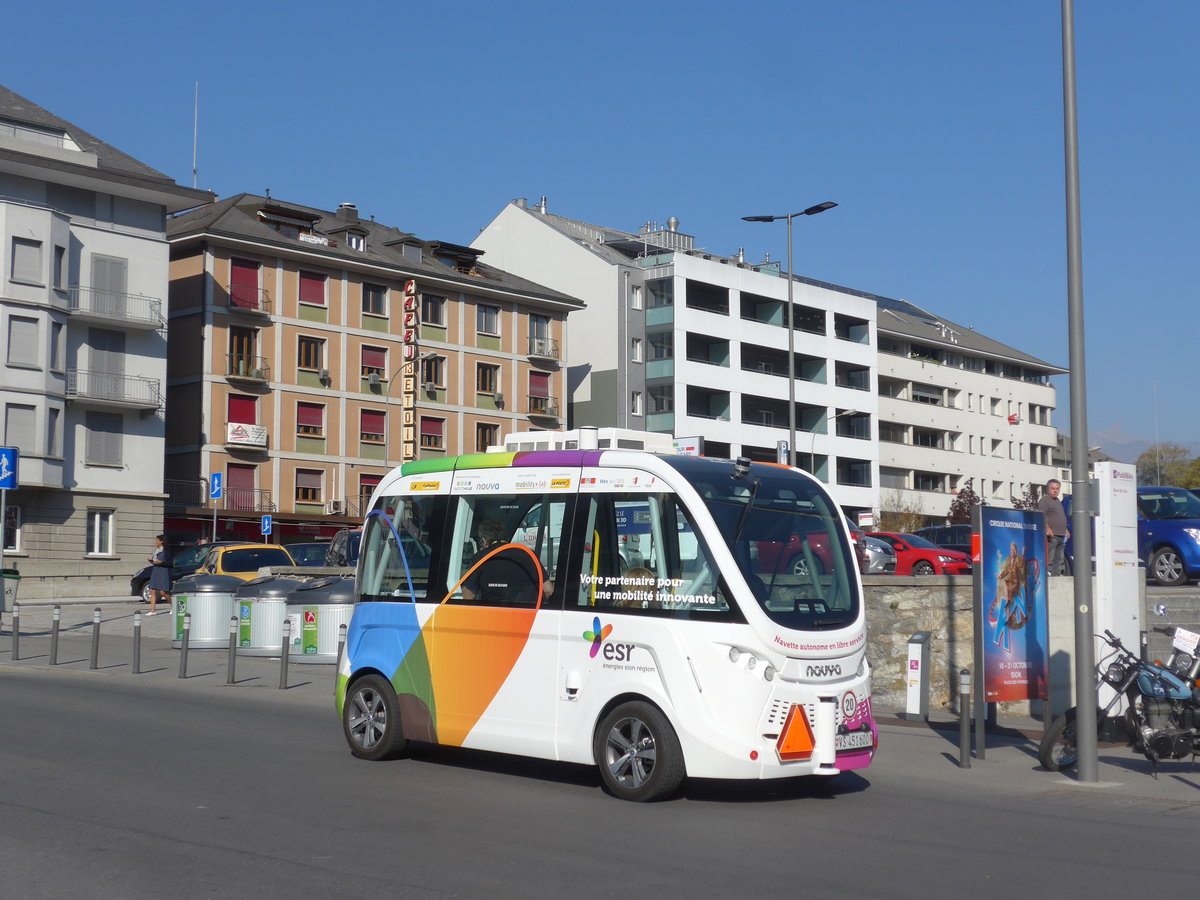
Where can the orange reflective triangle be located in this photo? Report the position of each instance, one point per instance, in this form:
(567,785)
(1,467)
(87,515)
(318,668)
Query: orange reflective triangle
(796,738)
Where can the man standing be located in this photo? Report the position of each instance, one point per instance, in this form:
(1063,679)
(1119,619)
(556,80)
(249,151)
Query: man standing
(1050,506)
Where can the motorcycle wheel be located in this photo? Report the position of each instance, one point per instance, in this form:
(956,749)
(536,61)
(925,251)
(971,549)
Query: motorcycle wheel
(1058,749)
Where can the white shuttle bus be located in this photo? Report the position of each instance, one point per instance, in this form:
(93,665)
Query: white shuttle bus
(657,616)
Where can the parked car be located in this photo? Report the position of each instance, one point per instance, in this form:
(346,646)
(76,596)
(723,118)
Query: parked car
(183,562)
(309,553)
(917,556)
(948,537)
(881,558)
(343,549)
(244,560)
(1169,534)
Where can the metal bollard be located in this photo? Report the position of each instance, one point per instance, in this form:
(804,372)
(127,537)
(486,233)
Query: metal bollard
(183,644)
(964,719)
(341,642)
(16,654)
(232,665)
(137,642)
(54,624)
(95,662)
(284,649)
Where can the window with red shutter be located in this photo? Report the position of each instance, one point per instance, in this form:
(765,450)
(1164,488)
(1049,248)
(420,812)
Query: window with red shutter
(312,288)
(310,419)
(433,433)
(371,426)
(243,410)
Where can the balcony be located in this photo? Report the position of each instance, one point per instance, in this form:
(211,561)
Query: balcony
(109,307)
(247,368)
(245,500)
(251,300)
(184,493)
(544,348)
(543,407)
(109,389)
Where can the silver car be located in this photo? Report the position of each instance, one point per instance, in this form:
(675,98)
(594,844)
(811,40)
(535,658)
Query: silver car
(881,558)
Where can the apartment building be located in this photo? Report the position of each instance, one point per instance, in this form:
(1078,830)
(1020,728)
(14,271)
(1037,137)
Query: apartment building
(953,405)
(83,282)
(684,341)
(312,349)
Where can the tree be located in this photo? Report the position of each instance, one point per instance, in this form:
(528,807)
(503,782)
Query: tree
(1164,464)
(900,515)
(962,504)
(1028,500)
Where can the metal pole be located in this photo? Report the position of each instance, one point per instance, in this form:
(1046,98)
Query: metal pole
(95,661)
(791,342)
(16,653)
(54,634)
(1085,649)
(137,643)
(233,626)
(964,719)
(183,644)
(341,642)
(284,649)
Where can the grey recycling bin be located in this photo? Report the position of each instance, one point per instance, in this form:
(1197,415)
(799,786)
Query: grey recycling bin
(317,611)
(261,607)
(12,580)
(209,601)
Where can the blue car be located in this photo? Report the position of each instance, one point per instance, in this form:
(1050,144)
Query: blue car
(1169,534)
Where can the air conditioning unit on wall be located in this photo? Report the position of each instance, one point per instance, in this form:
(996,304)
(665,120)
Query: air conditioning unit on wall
(334,507)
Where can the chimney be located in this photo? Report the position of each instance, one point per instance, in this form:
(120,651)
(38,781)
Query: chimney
(348,212)
(542,206)
(521,203)
(672,224)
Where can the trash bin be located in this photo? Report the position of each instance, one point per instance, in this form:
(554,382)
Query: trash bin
(261,607)
(317,611)
(209,600)
(12,580)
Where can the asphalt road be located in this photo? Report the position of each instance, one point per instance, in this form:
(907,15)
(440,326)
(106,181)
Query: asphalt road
(116,785)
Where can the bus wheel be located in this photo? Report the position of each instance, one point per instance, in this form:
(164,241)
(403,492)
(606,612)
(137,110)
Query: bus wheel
(638,753)
(371,719)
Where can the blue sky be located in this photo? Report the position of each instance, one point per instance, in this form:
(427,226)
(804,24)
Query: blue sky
(936,126)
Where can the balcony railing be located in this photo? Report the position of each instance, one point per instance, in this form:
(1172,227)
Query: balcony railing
(544,348)
(543,406)
(118,390)
(248,368)
(184,493)
(245,500)
(113,306)
(243,298)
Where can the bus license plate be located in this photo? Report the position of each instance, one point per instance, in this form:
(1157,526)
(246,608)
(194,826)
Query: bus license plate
(855,740)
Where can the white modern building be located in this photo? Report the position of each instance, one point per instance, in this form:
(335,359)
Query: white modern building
(691,343)
(83,282)
(956,405)
(895,407)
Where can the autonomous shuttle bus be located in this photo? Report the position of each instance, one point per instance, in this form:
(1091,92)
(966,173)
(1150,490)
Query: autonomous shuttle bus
(615,608)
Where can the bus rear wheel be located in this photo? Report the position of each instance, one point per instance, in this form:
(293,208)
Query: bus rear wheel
(638,753)
(371,719)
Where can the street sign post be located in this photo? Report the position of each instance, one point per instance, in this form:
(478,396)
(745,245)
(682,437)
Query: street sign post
(266,525)
(216,488)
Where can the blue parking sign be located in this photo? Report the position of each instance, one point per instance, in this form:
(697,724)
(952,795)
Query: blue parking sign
(266,525)
(9,457)
(214,486)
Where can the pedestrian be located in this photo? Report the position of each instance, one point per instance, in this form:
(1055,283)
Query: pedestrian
(1050,506)
(160,575)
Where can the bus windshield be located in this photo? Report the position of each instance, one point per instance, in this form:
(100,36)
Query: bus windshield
(786,537)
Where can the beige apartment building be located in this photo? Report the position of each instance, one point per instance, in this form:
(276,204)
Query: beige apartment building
(311,350)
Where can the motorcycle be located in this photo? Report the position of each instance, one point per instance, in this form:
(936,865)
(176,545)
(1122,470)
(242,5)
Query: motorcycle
(1162,704)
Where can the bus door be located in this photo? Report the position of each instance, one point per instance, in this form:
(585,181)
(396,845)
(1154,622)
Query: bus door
(493,642)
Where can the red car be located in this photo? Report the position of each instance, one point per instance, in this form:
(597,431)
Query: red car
(917,556)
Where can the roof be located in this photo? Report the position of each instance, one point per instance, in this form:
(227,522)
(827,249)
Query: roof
(238,218)
(109,160)
(908,320)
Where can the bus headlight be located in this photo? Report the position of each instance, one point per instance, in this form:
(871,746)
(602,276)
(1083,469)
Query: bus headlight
(734,654)
(769,673)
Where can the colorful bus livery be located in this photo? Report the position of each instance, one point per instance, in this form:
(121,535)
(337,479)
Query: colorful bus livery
(526,622)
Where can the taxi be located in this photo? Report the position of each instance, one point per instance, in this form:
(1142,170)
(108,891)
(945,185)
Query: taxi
(244,560)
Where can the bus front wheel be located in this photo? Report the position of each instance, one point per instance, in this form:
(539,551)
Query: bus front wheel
(638,753)
(371,719)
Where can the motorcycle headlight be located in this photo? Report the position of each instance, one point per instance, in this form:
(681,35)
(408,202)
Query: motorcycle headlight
(1114,674)
(1182,663)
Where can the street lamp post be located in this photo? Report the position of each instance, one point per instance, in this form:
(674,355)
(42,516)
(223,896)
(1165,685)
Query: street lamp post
(812,444)
(791,337)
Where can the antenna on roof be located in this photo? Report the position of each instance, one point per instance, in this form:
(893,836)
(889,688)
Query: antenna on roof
(195,132)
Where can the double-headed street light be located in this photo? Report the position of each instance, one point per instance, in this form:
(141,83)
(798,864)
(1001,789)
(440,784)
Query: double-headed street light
(791,360)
